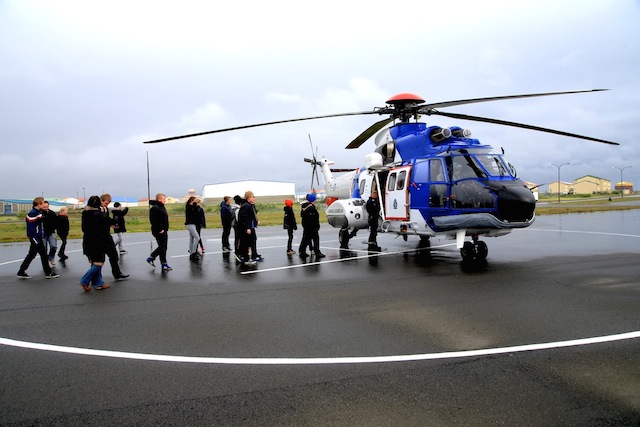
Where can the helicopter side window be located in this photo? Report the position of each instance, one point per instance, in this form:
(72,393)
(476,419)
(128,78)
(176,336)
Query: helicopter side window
(363,183)
(436,174)
(437,192)
(401,179)
(391,186)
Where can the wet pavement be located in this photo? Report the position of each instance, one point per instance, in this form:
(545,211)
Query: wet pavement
(405,337)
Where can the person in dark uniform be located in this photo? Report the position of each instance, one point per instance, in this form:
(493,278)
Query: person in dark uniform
(373,209)
(310,219)
(159,219)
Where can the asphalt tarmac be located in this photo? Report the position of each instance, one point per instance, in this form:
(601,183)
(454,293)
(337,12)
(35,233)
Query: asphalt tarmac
(545,332)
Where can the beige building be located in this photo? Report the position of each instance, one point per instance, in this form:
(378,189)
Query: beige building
(625,187)
(590,184)
(564,187)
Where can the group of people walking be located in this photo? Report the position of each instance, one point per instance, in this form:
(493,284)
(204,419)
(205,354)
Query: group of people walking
(98,244)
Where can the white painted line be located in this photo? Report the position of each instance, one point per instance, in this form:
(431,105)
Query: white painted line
(601,233)
(351,258)
(320,360)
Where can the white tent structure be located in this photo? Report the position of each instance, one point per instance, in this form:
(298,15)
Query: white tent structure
(265,191)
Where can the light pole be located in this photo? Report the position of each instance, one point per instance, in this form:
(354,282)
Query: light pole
(621,181)
(553,164)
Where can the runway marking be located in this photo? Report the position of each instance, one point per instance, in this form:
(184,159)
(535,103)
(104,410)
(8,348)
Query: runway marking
(601,233)
(320,360)
(331,261)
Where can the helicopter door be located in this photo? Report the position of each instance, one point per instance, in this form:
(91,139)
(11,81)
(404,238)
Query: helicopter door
(396,199)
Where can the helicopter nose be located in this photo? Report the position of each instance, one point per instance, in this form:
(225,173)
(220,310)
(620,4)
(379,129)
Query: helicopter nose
(515,201)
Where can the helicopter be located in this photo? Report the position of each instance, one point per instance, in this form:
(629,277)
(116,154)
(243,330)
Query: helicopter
(431,180)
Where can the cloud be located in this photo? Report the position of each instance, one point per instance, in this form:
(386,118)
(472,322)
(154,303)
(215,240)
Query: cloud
(84,83)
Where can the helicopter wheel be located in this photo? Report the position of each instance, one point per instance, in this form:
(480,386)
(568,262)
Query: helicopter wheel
(474,251)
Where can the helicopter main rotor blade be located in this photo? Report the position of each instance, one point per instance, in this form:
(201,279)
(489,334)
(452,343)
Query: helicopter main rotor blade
(518,125)
(500,98)
(191,135)
(360,139)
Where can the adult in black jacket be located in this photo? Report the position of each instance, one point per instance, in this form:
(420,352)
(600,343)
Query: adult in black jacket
(96,226)
(159,220)
(310,219)
(373,209)
(247,223)
(226,218)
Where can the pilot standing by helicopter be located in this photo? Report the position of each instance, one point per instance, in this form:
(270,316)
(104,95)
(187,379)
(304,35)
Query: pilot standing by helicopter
(373,209)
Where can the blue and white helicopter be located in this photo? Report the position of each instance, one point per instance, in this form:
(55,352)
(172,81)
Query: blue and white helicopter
(432,181)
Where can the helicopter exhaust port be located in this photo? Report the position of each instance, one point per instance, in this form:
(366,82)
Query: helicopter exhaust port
(460,133)
(440,134)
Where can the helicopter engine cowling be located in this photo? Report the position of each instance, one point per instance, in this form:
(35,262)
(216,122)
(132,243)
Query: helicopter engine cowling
(348,213)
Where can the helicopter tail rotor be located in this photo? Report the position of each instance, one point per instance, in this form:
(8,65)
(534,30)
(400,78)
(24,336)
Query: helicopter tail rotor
(315,163)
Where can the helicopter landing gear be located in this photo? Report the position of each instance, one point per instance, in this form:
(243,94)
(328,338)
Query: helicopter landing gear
(474,251)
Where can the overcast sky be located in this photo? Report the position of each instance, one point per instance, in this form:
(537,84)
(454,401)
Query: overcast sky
(84,83)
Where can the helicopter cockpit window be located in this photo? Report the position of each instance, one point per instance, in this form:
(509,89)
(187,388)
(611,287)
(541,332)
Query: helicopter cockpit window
(493,164)
(391,186)
(401,179)
(465,167)
(362,185)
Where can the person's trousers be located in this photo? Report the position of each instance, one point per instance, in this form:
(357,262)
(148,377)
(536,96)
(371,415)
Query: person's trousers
(37,248)
(161,251)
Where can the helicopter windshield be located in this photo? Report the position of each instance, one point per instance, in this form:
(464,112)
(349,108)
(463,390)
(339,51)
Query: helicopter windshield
(494,164)
(464,167)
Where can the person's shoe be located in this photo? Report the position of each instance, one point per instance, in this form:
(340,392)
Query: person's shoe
(303,255)
(63,257)
(259,258)
(23,275)
(226,249)
(291,252)
(123,252)
(194,257)
(52,275)
(122,277)
(103,286)
(85,287)
(165,267)
(150,262)
(320,255)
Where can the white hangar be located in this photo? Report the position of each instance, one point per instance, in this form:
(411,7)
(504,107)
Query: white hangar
(265,191)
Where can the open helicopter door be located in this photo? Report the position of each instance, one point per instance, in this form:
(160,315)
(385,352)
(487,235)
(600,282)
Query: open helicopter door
(396,195)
